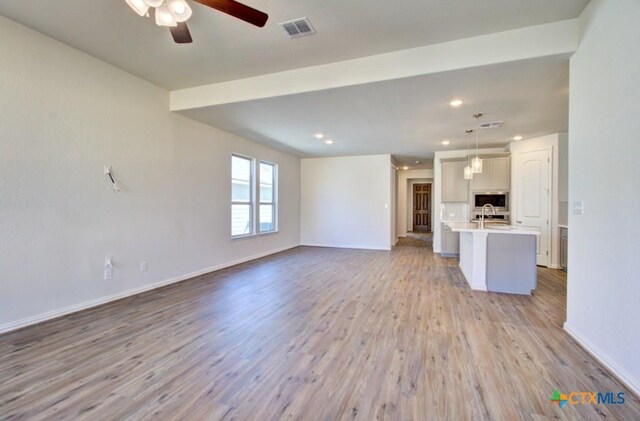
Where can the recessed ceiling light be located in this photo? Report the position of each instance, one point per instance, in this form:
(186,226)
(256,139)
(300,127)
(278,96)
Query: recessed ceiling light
(319,135)
(445,142)
(456,102)
(405,168)
(517,137)
(329,142)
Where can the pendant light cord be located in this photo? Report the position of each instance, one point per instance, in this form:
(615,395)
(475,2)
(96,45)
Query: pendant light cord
(469,146)
(477,116)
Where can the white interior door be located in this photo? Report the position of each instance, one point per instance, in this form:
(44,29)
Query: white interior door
(534,197)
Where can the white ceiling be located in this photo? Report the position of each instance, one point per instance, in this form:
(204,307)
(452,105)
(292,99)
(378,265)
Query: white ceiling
(226,48)
(407,117)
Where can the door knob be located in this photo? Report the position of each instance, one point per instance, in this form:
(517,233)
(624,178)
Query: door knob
(518,222)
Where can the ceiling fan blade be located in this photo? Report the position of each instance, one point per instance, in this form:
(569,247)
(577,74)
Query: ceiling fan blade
(238,10)
(181,34)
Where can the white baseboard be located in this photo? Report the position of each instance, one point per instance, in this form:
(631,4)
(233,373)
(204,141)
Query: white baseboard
(628,380)
(345,246)
(39,318)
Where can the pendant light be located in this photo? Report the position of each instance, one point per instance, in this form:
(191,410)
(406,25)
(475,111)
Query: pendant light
(468,170)
(476,163)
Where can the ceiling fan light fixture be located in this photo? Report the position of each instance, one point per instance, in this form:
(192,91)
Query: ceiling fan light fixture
(164,16)
(154,3)
(179,9)
(138,6)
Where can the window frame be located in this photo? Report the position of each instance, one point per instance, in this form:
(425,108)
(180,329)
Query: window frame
(252,196)
(274,198)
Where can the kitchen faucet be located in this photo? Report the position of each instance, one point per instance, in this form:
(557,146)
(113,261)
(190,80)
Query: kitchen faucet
(482,214)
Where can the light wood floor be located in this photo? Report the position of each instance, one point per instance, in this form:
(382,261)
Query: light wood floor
(311,333)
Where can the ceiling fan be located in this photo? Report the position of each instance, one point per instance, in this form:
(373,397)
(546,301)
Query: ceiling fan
(175,13)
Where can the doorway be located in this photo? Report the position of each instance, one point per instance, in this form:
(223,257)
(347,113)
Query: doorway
(422,207)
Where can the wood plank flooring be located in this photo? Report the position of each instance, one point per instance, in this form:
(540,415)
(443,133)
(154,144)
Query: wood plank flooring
(310,334)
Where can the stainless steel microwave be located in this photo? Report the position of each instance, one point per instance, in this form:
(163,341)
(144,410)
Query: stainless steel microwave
(500,201)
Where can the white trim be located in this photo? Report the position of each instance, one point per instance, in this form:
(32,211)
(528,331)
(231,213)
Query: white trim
(627,379)
(8,327)
(345,246)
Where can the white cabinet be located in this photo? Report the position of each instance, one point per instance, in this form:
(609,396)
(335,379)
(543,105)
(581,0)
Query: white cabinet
(450,242)
(500,173)
(482,180)
(454,187)
(495,175)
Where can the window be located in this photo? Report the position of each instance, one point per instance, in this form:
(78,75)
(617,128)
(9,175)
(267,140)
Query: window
(243,197)
(242,203)
(268,197)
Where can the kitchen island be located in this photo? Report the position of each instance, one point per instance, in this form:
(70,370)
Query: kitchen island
(498,258)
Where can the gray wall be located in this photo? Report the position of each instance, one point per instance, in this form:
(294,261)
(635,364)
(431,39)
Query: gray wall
(64,116)
(604,150)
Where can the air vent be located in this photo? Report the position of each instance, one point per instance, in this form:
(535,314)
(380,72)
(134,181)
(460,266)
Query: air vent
(297,27)
(491,124)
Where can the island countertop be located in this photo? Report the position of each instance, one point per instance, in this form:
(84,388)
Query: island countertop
(494,229)
(498,258)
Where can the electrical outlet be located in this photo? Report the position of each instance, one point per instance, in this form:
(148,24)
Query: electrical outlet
(578,207)
(143,266)
(108,268)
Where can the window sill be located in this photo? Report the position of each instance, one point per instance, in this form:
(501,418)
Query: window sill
(240,237)
(269,232)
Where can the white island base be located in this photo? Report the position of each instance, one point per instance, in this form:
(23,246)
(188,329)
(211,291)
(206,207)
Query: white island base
(498,260)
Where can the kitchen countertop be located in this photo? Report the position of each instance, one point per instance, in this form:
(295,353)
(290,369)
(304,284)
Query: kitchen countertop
(495,229)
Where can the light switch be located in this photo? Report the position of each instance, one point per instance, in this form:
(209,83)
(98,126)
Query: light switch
(108,268)
(578,207)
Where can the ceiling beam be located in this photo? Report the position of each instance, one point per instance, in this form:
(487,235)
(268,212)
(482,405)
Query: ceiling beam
(501,47)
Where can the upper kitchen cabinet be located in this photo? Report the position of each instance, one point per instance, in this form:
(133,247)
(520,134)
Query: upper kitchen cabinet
(495,175)
(454,187)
